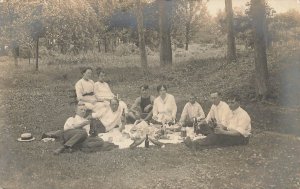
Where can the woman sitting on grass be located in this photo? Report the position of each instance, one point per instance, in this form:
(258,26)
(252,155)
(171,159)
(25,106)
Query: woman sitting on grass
(102,89)
(85,87)
(164,106)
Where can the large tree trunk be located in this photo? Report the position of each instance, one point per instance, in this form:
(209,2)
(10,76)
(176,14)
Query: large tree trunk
(164,34)
(259,28)
(231,50)
(142,46)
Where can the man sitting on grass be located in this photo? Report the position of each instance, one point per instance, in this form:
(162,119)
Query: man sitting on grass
(113,117)
(219,113)
(237,131)
(75,133)
(142,107)
(75,130)
(191,111)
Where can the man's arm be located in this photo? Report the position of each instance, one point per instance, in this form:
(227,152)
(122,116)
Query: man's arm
(135,105)
(174,108)
(210,115)
(231,132)
(201,113)
(183,114)
(149,116)
(71,125)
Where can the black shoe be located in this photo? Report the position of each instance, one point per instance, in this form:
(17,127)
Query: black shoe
(59,150)
(44,135)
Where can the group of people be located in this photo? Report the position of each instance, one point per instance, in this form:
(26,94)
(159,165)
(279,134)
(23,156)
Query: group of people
(98,110)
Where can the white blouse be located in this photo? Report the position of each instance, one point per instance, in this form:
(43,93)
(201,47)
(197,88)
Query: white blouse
(164,110)
(83,87)
(102,91)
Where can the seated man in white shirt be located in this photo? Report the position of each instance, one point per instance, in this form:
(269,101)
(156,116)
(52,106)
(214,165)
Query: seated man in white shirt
(191,111)
(75,130)
(113,117)
(237,131)
(219,113)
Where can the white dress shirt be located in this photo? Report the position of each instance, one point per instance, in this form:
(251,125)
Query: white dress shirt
(192,111)
(76,120)
(109,118)
(240,121)
(164,110)
(221,113)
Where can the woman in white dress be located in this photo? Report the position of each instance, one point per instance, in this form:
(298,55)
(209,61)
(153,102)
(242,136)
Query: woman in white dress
(85,87)
(164,106)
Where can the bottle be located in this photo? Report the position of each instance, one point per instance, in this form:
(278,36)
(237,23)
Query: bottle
(195,125)
(123,117)
(183,132)
(163,129)
(147,141)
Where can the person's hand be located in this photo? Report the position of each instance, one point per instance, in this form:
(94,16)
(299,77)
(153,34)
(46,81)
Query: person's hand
(221,126)
(219,130)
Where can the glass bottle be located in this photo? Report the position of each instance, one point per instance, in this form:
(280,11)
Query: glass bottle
(147,141)
(183,131)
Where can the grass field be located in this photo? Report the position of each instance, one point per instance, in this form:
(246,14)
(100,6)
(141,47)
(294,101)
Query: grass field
(38,102)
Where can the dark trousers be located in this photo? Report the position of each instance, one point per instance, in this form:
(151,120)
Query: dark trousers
(96,127)
(220,140)
(74,137)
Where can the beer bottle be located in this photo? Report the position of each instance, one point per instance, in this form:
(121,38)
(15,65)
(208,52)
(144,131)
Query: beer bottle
(183,132)
(195,125)
(147,141)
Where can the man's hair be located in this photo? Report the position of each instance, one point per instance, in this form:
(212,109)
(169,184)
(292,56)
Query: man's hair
(234,97)
(193,95)
(114,99)
(144,87)
(159,87)
(84,69)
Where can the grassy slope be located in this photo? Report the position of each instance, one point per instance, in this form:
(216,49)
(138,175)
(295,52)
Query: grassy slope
(37,103)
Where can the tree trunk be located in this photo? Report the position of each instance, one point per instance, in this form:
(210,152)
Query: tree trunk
(16,53)
(187,35)
(231,50)
(37,55)
(188,25)
(99,46)
(142,46)
(259,28)
(29,55)
(164,34)
(105,45)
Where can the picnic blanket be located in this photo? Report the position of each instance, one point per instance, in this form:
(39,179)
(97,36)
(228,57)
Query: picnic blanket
(131,132)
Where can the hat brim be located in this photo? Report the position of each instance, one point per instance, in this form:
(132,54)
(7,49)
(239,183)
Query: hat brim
(27,140)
